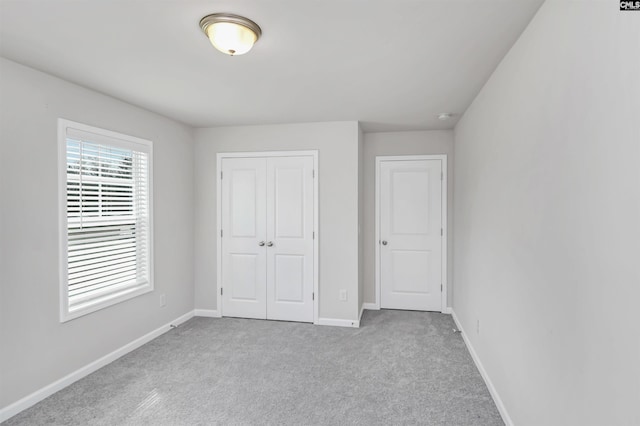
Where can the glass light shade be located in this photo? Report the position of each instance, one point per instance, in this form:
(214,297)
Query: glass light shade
(231,38)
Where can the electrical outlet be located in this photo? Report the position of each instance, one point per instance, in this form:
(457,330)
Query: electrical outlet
(477,326)
(163,300)
(342,295)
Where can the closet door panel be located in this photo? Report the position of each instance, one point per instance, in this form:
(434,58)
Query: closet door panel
(290,206)
(244,259)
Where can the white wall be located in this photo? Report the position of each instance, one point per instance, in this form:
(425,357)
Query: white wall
(36,349)
(401,143)
(547,219)
(337,144)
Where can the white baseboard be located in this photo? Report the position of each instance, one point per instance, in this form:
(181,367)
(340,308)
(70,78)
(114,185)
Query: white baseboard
(207,313)
(37,396)
(338,322)
(371,306)
(360,316)
(492,390)
(447,310)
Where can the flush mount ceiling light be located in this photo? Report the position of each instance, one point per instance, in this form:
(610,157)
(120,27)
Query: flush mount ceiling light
(230,34)
(444,116)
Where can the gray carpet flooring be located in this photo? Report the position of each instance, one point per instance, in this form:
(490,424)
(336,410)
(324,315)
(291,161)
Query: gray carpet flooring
(398,368)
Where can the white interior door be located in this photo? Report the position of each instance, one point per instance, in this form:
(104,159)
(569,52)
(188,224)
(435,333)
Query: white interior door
(244,256)
(290,238)
(267,246)
(410,234)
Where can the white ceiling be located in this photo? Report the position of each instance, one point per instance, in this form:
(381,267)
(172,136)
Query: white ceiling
(391,64)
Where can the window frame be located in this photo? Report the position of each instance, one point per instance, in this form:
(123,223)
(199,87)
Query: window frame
(119,140)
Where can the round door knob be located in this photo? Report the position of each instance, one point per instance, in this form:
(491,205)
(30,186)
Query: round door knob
(384,243)
(261,243)
(269,244)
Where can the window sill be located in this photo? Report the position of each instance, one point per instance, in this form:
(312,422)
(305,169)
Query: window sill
(103,302)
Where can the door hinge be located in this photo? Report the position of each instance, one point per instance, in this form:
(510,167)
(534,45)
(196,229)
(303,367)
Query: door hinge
(441,232)
(313,296)
(221,175)
(313,235)
(441,175)
(221,291)
(440,287)
(221,233)
(313,173)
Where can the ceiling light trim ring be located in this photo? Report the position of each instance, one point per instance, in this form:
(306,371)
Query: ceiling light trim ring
(230,18)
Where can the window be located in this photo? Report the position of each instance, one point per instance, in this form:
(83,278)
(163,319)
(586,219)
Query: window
(106,219)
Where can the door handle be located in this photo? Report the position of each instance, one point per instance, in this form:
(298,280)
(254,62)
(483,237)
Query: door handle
(261,243)
(384,242)
(269,244)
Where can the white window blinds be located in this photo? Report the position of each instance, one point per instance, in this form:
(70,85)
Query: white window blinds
(108,227)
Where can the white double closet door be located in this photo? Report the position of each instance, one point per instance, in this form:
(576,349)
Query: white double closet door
(267,238)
